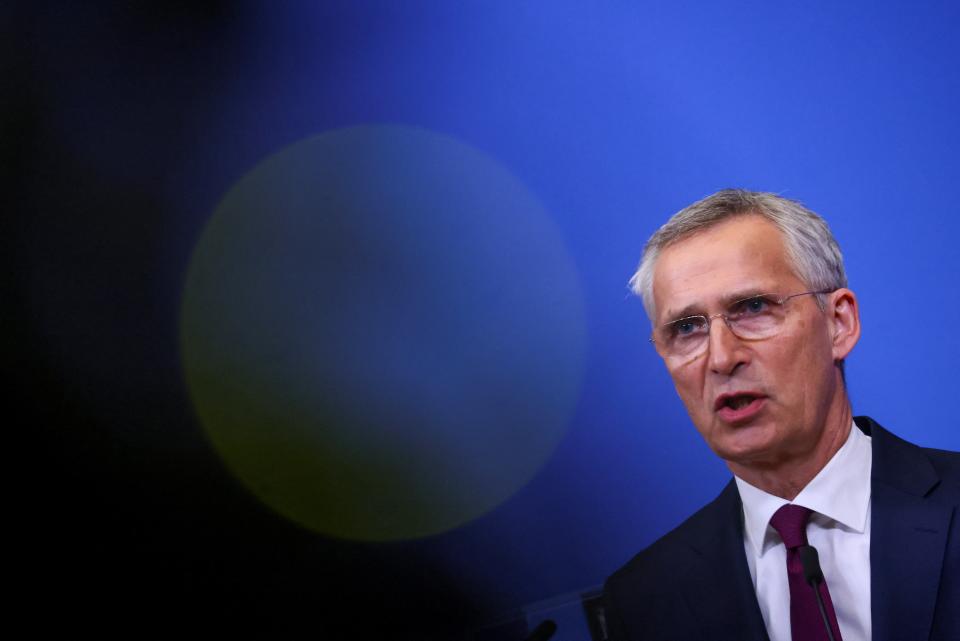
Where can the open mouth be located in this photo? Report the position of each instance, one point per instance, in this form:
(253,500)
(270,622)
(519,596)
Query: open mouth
(739,405)
(739,401)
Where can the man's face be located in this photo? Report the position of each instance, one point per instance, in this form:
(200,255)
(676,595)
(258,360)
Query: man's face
(790,379)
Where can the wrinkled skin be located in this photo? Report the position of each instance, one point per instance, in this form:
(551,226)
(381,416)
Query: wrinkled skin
(805,416)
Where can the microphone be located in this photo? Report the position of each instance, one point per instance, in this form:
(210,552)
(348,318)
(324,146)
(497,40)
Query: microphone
(543,631)
(813,575)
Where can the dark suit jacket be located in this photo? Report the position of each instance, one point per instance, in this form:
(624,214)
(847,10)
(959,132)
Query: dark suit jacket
(694,583)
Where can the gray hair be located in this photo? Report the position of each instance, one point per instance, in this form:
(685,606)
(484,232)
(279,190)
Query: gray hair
(812,249)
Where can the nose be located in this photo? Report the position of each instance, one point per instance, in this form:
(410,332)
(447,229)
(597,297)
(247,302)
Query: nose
(725,352)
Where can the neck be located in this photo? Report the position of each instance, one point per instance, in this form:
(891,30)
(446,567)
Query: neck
(786,477)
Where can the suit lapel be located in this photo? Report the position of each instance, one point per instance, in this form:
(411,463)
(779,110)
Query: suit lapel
(908,538)
(722,595)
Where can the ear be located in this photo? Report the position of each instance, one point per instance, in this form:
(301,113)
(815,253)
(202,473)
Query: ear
(844,320)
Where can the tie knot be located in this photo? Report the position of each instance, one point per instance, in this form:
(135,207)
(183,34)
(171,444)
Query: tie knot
(790,521)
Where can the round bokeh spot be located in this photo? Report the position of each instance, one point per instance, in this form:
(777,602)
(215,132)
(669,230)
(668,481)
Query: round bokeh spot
(382,333)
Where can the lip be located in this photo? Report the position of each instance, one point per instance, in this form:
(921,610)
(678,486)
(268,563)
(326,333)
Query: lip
(748,411)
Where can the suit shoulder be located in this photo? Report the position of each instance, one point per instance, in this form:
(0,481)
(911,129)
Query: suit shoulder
(667,558)
(906,465)
(947,465)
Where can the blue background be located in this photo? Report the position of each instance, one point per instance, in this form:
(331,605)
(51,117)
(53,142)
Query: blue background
(126,126)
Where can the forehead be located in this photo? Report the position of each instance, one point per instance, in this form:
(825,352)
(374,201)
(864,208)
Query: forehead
(743,255)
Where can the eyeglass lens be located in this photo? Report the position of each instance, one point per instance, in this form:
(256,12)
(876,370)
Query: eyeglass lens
(750,319)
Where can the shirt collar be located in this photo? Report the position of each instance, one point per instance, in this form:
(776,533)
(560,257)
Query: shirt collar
(840,492)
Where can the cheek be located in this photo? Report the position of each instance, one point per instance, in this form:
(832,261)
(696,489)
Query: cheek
(689,389)
(800,365)
(802,350)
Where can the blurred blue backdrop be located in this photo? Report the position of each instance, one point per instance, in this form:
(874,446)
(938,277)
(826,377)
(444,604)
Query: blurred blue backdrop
(130,124)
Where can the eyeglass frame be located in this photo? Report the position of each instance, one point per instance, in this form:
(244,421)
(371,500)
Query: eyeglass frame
(726,319)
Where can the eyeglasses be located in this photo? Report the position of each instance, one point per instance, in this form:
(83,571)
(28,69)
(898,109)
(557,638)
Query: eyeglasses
(754,318)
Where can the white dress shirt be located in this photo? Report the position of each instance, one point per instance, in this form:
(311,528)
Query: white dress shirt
(840,530)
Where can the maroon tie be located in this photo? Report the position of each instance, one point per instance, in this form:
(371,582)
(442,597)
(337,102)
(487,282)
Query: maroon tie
(806,622)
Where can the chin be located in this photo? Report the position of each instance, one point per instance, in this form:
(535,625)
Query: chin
(745,450)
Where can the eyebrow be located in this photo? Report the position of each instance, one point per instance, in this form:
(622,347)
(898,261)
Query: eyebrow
(695,309)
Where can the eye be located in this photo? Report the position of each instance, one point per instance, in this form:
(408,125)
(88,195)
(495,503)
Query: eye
(686,326)
(752,306)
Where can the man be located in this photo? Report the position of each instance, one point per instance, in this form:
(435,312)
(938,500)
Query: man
(752,316)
